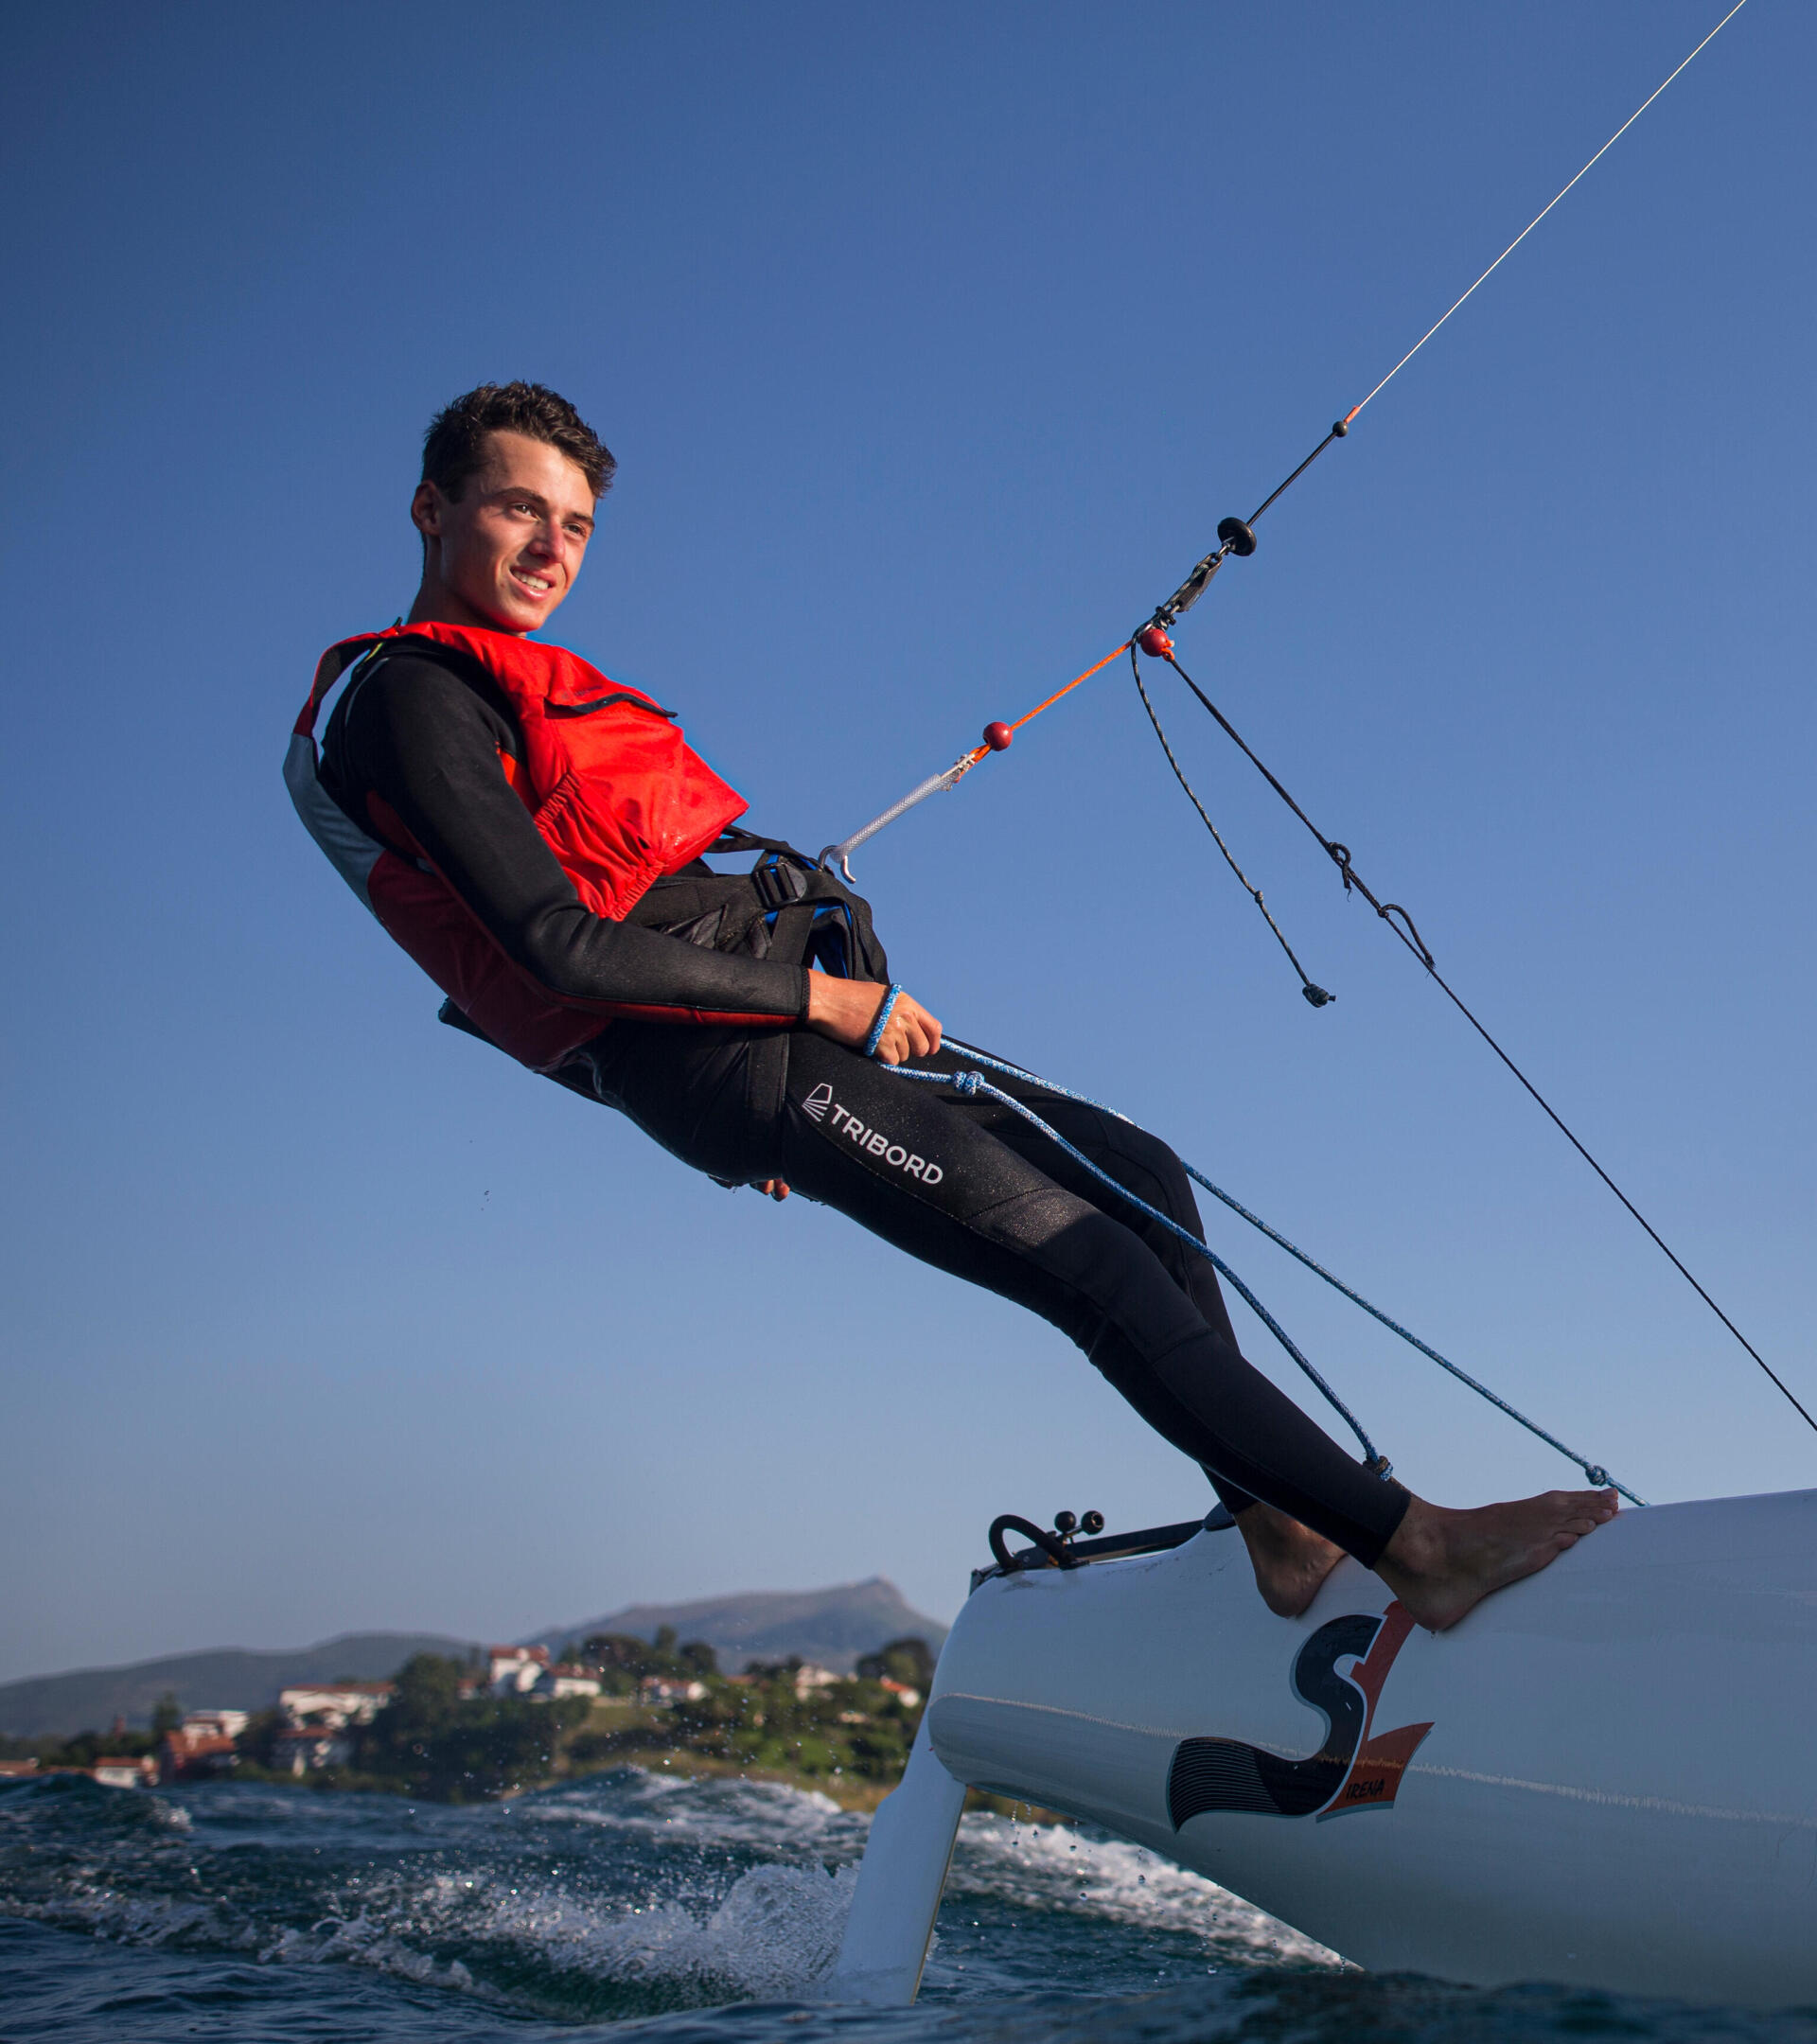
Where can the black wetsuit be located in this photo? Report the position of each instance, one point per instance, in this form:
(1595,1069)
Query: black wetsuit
(964,1184)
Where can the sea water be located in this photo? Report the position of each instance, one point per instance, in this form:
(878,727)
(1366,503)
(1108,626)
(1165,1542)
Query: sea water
(654,1910)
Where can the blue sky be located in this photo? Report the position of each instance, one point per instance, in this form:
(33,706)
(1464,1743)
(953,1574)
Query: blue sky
(933,342)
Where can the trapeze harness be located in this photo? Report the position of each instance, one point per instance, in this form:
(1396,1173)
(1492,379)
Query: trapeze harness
(625,806)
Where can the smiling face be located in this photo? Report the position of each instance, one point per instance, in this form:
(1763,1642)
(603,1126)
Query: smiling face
(505,553)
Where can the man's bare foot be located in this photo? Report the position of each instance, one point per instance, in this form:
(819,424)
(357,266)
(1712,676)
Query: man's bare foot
(1290,1559)
(1441,1564)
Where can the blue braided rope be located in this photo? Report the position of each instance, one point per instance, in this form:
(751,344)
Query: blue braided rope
(970,1084)
(1594,1471)
(886,1009)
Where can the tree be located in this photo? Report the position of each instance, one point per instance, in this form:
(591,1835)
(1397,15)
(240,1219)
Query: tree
(429,1687)
(432,1742)
(622,1651)
(698,1657)
(258,1741)
(908,1661)
(167,1714)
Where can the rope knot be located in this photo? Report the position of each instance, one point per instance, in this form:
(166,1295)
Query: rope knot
(1341,856)
(965,1084)
(1595,1474)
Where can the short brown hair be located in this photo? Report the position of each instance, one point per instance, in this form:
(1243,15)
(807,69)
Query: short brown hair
(455,446)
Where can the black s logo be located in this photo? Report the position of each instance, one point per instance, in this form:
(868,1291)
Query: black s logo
(1230,1775)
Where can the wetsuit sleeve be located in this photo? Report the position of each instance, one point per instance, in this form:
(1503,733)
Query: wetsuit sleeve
(422,740)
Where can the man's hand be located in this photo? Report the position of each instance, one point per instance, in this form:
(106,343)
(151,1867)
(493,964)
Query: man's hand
(845,1008)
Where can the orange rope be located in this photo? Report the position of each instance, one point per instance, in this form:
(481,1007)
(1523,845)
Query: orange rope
(1071,686)
(967,761)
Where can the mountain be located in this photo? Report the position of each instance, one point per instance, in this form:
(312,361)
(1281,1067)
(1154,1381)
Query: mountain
(226,1678)
(831,1627)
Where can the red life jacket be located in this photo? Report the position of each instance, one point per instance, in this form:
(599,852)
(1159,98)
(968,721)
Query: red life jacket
(616,794)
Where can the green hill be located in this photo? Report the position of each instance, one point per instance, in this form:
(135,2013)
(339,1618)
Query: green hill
(831,1627)
(226,1678)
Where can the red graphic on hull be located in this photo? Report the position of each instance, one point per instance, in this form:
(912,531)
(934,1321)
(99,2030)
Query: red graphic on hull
(1355,1768)
(1374,1779)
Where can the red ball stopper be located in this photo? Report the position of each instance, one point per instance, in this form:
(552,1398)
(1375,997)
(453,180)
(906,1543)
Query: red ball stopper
(997,735)
(1155,643)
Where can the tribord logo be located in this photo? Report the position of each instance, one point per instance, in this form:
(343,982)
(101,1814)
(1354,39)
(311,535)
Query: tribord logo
(871,1142)
(1351,1770)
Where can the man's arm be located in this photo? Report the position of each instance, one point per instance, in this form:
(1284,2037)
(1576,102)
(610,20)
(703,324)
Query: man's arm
(421,740)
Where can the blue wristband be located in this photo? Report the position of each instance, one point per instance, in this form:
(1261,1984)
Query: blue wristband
(882,1023)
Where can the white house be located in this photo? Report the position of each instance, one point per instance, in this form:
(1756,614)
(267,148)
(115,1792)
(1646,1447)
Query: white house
(333,1704)
(216,1723)
(121,1773)
(809,1678)
(516,1670)
(304,1747)
(568,1679)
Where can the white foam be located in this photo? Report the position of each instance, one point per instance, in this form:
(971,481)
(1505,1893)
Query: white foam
(1053,1867)
(720,1810)
(772,1938)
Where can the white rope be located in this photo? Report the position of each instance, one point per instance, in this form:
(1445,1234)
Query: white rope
(1544,210)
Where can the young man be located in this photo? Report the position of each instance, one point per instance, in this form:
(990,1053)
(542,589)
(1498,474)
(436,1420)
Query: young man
(530,834)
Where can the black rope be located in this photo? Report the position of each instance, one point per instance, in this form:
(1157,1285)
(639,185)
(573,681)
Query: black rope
(1315,994)
(1236,537)
(1340,857)
(1337,432)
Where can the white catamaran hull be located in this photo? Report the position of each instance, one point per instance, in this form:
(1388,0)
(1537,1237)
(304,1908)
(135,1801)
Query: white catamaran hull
(1605,1775)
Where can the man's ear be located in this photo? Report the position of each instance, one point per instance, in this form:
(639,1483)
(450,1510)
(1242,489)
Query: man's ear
(426,511)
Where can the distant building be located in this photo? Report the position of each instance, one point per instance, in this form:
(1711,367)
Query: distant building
(194,1755)
(659,1689)
(567,1677)
(220,1723)
(301,1749)
(516,1670)
(803,1676)
(335,1706)
(13,1770)
(124,1774)
(904,1695)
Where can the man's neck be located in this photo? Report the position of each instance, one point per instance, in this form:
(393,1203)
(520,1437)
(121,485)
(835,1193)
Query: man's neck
(435,604)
